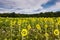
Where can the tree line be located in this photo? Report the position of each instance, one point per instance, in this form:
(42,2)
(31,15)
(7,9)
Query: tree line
(46,14)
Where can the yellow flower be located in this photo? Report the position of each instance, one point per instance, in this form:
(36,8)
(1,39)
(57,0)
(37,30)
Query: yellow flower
(36,36)
(45,19)
(5,39)
(19,21)
(46,34)
(56,32)
(6,20)
(46,25)
(24,32)
(12,22)
(29,27)
(33,19)
(38,27)
(23,20)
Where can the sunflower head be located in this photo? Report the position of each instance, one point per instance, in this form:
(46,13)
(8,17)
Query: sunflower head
(38,27)
(46,25)
(56,32)
(24,32)
(46,34)
(29,27)
(19,22)
(5,39)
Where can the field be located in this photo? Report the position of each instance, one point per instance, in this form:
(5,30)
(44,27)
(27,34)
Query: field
(30,28)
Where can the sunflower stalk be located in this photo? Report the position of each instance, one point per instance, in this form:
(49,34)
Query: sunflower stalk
(22,38)
(11,32)
(46,32)
(57,28)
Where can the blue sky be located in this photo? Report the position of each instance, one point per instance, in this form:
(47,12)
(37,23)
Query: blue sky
(29,6)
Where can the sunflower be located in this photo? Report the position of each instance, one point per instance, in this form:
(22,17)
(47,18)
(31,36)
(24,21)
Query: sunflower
(12,22)
(46,25)
(33,19)
(6,20)
(29,27)
(56,32)
(46,34)
(38,27)
(24,32)
(23,20)
(5,39)
(19,22)
(36,36)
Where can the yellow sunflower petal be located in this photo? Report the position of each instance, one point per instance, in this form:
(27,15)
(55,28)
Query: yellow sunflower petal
(46,34)
(29,27)
(24,32)
(38,27)
(46,25)
(56,32)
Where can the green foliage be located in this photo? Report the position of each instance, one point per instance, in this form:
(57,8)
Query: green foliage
(46,14)
(34,28)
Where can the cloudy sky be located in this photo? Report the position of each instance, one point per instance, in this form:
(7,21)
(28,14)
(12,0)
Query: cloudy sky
(29,6)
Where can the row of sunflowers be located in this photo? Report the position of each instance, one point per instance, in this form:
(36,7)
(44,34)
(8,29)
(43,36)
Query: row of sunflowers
(30,28)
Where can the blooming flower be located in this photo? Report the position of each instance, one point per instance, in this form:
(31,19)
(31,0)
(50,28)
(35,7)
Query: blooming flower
(24,32)
(5,39)
(19,22)
(56,32)
(29,27)
(46,34)
(38,27)
(46,25)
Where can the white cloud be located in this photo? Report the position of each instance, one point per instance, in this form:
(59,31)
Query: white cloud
(27,6)
(53,8)
(28,3)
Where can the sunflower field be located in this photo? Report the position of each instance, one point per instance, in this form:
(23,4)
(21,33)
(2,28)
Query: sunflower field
(30,28)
